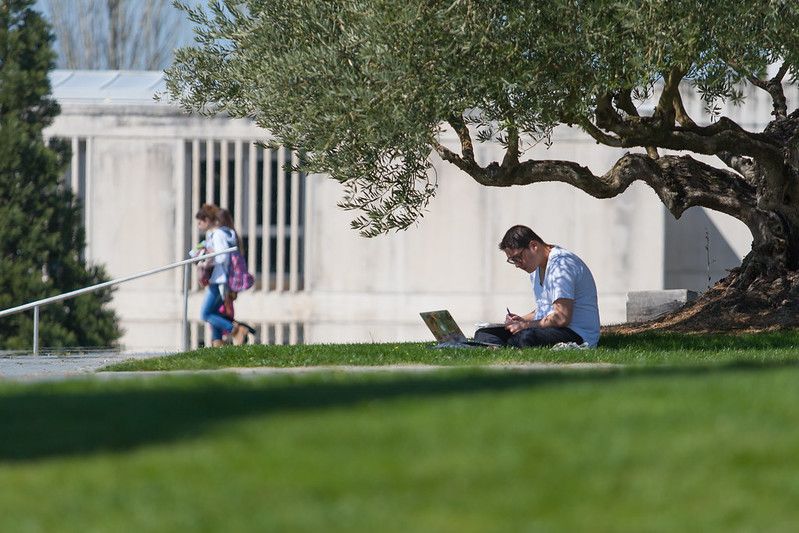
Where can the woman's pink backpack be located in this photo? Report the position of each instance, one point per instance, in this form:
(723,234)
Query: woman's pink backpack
(238,278)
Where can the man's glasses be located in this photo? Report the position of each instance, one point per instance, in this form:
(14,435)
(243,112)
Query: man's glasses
(516,258)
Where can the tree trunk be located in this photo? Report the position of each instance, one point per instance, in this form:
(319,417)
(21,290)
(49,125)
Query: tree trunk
(763,293)
(114,33)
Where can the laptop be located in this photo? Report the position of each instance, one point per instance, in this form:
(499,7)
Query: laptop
(446,331)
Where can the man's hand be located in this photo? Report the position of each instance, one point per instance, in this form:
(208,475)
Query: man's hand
(561,316)
(515,323)
(511,317)
(515,326)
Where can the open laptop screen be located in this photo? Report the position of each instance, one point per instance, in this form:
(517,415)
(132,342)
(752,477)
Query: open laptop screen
(443,326)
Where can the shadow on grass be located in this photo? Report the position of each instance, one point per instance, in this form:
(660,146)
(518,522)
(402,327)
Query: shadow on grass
(78,418)
(660,342)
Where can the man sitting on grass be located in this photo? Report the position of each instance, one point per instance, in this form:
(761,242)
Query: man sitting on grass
(565,296)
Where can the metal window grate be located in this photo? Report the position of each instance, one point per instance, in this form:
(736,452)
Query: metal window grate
(267,201)
(76,178)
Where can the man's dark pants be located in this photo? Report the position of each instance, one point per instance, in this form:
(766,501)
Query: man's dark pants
(527,337)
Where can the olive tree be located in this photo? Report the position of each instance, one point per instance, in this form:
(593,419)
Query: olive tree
(365,88)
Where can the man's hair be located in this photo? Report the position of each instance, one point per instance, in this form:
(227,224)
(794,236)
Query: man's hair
(519,237)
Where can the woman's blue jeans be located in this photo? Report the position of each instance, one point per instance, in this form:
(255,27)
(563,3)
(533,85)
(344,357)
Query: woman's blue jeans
(209,311)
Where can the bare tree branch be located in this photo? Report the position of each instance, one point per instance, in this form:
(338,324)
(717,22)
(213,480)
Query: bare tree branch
(632,131)
(660,129)
(671,87)
(774,88)
(607,118)
(680,114)
(664,111)
(114,34)
(470,167)
(58,16)
(745,166)
(87,39)
(723,135)
(652,152)
(511,158)
(467,146)
(680,182)
(113,52)
(623,100)
(599,135)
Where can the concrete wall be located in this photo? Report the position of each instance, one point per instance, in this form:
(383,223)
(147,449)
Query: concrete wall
(133,229)
(701,248)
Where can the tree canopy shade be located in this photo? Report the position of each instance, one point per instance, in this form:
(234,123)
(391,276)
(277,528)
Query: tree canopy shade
(42,235)
(365,88)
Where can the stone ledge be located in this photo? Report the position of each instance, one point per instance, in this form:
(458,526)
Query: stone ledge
(648,305)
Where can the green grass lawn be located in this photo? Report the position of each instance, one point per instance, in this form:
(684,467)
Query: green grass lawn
(657,448)
(693,433)
(640,349)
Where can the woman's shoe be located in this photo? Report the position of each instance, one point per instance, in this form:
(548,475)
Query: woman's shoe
(245,326)
(216,343)
(239,335)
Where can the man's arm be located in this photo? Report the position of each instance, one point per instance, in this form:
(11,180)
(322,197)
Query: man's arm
(560,317)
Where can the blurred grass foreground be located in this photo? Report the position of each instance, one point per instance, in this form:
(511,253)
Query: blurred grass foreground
(699,439)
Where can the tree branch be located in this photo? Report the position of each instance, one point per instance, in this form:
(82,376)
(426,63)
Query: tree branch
(680,182)
(511,158)
(467,146)
(625,129)
(624,101)
(598,135)
(661,131)
(745,166)
(607,118)
(774,88)
(468,166)
(680,114)
(671,86)
(723,135)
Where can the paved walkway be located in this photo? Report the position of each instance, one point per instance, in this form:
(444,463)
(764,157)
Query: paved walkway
(25,367)
(56,367)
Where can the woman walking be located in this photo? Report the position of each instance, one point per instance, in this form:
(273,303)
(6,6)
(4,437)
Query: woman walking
(227,310)
(217,238)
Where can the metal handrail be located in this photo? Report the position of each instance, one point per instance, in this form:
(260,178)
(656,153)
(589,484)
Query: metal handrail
(52,299)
